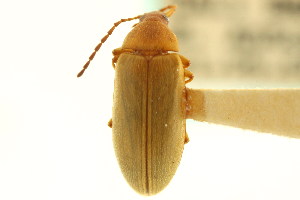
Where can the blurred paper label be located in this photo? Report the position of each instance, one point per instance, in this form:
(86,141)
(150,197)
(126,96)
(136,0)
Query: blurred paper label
(235,38)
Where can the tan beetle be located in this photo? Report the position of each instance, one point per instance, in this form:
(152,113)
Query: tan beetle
(149,110)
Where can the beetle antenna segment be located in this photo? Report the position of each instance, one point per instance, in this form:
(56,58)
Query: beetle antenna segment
(171,9)
(103,40)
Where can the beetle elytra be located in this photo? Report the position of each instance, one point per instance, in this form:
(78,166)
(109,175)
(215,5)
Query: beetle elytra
(149,110)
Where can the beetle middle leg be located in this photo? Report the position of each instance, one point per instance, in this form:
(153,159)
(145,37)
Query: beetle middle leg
(110,123)
(186,62)
(186,138)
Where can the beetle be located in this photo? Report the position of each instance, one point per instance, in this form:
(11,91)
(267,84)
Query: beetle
(149,108)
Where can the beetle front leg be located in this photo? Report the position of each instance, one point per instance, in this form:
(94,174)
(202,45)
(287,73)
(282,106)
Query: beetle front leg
(189,75)
(114,60)
(185,62)
(117,52)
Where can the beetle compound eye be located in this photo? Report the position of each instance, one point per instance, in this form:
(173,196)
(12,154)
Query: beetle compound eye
(166,18)
(142,18)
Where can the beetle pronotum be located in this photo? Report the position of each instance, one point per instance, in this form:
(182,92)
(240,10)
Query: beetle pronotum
(149,110)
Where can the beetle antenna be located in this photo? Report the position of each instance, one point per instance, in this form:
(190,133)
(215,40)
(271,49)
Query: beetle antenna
(103,40)
(171,9)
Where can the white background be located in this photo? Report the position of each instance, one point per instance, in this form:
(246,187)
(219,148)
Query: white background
(54,139)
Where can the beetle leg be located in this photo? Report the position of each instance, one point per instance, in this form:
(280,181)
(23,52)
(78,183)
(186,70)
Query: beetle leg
(186,139)
(114,60)
(189,75)
(117,52)
(186,62)
(110,123)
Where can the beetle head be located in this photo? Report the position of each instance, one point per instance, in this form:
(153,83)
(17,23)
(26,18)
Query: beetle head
(154,35)
(155,16)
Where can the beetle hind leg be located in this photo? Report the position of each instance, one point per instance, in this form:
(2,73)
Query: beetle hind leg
(186,138)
